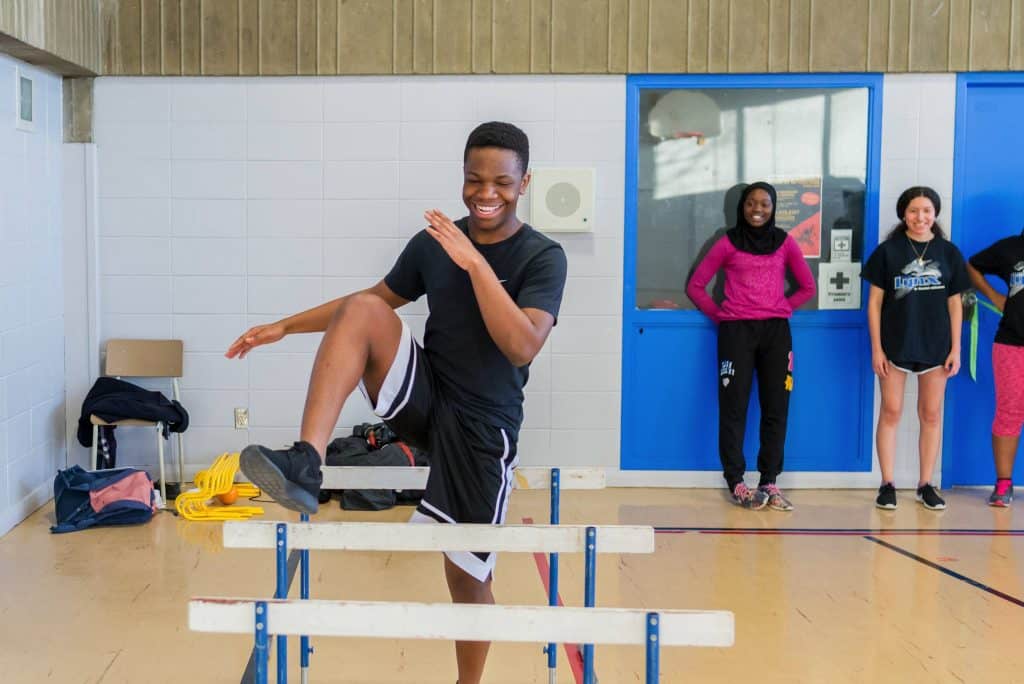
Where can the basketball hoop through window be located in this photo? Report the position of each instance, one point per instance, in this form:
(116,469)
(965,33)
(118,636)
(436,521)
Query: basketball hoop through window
(685,114)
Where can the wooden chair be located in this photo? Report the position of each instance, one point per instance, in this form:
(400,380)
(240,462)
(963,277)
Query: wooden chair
(145,359)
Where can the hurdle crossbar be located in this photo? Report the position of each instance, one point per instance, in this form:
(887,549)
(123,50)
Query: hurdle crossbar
(397,477)
(346,536)
(471,622)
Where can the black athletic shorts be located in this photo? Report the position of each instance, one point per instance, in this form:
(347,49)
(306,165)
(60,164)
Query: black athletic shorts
(472,464)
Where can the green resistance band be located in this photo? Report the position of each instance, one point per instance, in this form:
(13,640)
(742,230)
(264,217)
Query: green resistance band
(974,332)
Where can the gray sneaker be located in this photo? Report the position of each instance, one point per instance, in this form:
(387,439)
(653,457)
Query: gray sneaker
(1002,494)
(744,496)
(772,496)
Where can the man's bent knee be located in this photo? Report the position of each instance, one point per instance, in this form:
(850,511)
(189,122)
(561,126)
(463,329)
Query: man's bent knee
(362,304)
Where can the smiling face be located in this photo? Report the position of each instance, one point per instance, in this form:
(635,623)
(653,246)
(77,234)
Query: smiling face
(920,217)
(493,180)
(757,208)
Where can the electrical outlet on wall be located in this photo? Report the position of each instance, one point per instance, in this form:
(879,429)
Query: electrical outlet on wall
(241,418)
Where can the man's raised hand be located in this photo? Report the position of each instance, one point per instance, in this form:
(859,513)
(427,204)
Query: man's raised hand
(456,243)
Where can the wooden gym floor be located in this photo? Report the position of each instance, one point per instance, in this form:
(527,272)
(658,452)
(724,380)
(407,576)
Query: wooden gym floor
(835,591)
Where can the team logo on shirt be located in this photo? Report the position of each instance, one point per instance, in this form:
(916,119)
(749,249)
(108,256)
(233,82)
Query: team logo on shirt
(918,277)
(726,371)
(1017,278)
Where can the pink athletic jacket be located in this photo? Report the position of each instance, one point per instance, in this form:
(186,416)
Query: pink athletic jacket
(755,284)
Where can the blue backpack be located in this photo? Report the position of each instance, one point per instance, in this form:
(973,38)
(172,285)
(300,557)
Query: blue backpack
(83,499)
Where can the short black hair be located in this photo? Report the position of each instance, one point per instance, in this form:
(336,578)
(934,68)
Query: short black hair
(503,135)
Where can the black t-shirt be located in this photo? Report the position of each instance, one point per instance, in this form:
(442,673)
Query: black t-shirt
(474,373)
(918,279)
(1006,260)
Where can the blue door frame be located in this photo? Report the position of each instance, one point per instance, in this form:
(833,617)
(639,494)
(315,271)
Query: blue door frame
(966,446)
(635,405)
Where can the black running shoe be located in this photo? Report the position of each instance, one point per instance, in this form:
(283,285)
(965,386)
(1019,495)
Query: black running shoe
(291,476)
(886,497)
(930,498)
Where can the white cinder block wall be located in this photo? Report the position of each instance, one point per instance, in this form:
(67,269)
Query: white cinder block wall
(224,203)
(227,203)
(918,123)
(31,297)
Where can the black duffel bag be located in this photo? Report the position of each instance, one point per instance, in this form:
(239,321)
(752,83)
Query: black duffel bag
(357,451)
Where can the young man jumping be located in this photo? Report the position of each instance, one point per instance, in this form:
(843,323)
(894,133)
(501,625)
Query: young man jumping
(494,286)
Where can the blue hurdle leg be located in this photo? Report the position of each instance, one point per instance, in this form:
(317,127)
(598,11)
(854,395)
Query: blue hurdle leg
(304,648)
(262,647)
(653,647)
(588,600)
(552,649)
(282,593)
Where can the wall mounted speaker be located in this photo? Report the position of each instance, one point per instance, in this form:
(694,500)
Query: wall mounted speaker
(562,200)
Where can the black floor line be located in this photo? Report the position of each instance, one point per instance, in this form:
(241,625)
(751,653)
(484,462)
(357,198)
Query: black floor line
(946,571)
(249,676)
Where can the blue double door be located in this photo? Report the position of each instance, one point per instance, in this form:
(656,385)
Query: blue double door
(670,366)
(988,193)
(672,376)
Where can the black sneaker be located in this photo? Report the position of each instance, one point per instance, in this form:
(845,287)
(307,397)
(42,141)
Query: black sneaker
(291,476)
(886,497)
(930,498)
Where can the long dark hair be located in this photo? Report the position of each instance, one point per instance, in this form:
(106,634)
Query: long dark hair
(908,196)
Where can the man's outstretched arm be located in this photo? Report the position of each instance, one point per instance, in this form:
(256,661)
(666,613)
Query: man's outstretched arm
(312,320)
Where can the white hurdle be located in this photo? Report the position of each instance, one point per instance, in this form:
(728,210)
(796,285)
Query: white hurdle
(526,477)
(353,536)
(551,539)
(398,477)
(651,629)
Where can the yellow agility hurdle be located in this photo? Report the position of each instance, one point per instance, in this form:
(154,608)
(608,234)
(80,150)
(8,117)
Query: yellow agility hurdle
(215,481)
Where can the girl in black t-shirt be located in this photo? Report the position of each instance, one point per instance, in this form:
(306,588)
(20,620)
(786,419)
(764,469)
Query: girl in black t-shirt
(914,316)
(1005,259)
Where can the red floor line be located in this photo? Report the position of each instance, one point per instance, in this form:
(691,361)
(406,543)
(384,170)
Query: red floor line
(572,651)
(848,533)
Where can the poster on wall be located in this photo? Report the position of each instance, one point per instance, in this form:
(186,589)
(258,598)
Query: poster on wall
(798,212)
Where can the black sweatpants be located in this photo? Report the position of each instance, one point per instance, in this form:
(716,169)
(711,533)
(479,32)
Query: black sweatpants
(746,347)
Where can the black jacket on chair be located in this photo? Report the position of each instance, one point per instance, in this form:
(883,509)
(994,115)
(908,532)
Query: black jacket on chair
(112,399)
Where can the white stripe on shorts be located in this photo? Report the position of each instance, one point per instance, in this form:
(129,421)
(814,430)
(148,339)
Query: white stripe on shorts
(920,372)
(507,469)
(464,560)
(388,403)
